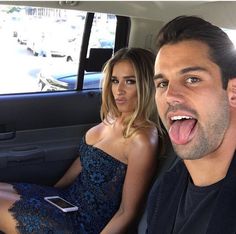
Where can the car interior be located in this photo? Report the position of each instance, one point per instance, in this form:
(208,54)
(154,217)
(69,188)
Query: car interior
(40,131)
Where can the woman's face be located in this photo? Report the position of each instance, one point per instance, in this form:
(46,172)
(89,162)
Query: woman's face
(124,88)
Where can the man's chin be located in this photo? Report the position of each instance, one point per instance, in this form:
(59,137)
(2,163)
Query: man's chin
(185,151)
(189,152)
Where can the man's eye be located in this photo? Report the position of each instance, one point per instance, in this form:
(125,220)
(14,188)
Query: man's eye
(192,80)
(162,84)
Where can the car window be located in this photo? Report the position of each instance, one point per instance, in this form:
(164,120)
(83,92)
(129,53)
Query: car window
(40,48)
(102,37)
(232,35)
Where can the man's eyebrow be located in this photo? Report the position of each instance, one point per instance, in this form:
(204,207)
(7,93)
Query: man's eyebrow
(158,76)
(191,69)
(183,71)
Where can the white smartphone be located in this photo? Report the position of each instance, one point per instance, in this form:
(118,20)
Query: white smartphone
(61,203)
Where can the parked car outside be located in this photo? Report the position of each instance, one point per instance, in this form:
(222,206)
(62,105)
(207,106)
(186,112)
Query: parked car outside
(48,39)
(59,78)
(46,44)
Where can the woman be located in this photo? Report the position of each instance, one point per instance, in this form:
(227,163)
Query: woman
(116,163)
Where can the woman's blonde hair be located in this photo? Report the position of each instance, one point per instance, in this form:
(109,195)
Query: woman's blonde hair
(145,113)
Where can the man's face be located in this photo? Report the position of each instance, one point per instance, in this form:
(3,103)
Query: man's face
(190,99)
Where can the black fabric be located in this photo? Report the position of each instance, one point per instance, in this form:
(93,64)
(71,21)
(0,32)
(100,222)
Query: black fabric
(166,195)
(163,200)
(196,203)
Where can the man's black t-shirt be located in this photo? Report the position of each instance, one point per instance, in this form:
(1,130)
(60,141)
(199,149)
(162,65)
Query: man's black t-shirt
(195,208)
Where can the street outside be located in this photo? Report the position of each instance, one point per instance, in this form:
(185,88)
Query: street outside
(19,67)
(33,46)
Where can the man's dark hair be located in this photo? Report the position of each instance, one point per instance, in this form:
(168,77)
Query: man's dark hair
(221,51)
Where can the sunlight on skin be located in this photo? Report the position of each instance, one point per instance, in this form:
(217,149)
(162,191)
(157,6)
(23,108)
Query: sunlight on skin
(9,195)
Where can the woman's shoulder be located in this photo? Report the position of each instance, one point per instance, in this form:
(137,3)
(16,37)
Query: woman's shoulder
(143,147)
(94,133)
(148,133)
(145,137)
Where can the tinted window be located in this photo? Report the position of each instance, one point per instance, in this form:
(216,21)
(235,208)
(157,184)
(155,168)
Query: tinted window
(40,48)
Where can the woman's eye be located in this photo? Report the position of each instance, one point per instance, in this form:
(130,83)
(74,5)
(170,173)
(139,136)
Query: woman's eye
(192,80)
(130,81)
(114,80)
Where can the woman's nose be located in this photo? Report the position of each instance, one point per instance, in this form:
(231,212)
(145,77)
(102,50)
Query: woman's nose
(120,88)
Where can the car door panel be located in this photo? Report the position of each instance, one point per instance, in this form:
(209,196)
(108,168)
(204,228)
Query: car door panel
(45,133)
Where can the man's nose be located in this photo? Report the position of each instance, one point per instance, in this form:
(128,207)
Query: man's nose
(174,94)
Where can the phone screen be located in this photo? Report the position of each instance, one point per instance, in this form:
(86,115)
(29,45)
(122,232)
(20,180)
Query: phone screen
(58,201)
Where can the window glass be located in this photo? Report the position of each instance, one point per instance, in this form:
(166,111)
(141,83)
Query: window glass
(40,48)
(102,36)
(103,31)
(232,35)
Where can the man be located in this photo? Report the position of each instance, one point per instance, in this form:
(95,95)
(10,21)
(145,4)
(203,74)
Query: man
(195,78)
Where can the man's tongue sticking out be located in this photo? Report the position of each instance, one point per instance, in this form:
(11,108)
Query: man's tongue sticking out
(180,131)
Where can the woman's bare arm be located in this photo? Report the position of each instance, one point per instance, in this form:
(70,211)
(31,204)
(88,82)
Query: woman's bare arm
(74,170)
(70,174)
(140,171)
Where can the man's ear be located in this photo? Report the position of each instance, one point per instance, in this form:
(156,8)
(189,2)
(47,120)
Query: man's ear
(231,89)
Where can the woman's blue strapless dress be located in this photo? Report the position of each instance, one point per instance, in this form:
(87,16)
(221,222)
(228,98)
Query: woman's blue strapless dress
(96,191)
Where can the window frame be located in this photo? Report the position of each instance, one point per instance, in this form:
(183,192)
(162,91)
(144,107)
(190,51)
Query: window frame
(121,40)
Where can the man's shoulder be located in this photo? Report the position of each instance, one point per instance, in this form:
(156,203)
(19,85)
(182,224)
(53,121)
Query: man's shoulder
(170,177)
(165,187)
(174,170)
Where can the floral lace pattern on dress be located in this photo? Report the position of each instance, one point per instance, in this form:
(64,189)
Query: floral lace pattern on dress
(96,191)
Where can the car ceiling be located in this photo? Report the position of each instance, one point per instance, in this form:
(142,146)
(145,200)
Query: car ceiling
(221,13)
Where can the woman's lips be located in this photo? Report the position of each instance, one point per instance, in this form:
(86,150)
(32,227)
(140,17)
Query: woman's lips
(120,100)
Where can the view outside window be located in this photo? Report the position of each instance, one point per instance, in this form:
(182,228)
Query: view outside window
(40,48)
(232,35)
